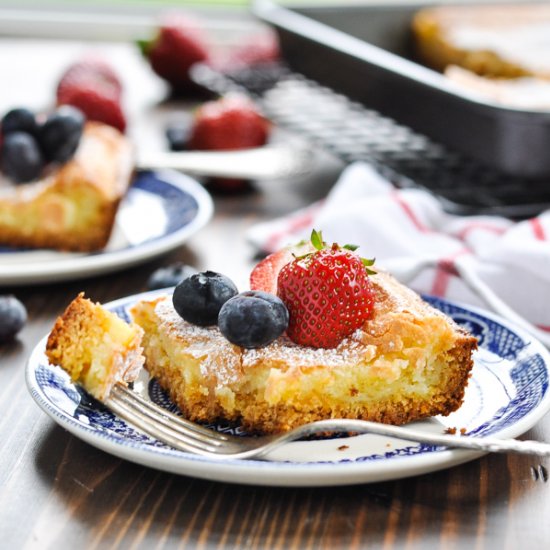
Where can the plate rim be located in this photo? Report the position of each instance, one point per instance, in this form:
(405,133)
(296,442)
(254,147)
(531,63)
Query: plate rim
(290,474)
(86,265)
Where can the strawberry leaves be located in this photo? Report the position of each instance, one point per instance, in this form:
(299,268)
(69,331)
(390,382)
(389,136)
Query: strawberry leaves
(318,243)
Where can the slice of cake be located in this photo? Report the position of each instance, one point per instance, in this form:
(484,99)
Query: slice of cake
(337,341)
(74,207)
(96,347)
(406,362)
(499,41)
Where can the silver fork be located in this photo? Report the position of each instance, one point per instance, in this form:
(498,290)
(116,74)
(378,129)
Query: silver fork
(188,436)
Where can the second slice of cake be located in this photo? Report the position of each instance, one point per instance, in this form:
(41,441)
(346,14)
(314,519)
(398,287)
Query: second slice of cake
(74,207)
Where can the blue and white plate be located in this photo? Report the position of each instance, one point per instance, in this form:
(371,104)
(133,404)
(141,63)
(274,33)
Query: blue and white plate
(174,206)
(507,394)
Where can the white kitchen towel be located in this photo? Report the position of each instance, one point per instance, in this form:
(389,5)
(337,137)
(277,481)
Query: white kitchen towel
(513,258)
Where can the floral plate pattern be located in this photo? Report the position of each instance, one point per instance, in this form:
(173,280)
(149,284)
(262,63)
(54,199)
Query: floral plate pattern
(507,394)
(175,207)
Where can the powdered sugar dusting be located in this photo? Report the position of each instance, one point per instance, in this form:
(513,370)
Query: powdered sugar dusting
(220,361)
(284,352)
(227,362)
(224,363)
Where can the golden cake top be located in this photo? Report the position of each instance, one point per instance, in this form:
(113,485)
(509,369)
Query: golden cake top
(400,319)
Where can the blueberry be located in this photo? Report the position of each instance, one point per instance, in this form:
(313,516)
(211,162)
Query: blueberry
(199,298)
(19,120)
(253,319)
(170,275)
(22,160)
(13,316)
(177,134)
(60,134)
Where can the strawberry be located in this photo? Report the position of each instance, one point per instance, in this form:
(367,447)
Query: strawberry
(96,104)
(232,122)
(93,86)
(264,275)
(88,69)
(328,294)
(258,49)
(179,44)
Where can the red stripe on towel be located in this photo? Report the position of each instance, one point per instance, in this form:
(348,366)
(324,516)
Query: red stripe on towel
(441,282)
(409,212)
(479,226)
(537,228)
(444,271)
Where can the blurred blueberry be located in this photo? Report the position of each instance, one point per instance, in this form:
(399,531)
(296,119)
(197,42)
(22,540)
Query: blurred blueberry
(13,317)
(60,135)
(22,159)
(170,275)
(177,134)
(19,120)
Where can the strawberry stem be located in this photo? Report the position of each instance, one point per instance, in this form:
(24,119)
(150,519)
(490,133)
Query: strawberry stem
(144,45)
(317,239)
(318,243)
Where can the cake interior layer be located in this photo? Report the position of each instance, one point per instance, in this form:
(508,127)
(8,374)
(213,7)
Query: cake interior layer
(95,346)
(59,218)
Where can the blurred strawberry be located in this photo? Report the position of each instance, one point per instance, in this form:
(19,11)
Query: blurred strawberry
(93,86)
(96,103)
(232,122)
(89,68)
(258,49)
(179,44)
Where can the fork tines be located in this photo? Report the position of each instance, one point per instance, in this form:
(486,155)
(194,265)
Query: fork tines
(164,425)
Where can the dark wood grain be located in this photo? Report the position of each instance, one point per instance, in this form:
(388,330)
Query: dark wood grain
(59,492)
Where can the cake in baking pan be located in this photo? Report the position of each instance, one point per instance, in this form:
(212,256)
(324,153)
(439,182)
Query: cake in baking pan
(499,41)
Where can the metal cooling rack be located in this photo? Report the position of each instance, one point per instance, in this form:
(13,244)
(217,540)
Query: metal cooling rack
(352,132)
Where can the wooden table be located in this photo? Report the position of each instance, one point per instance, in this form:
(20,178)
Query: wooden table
(59,492)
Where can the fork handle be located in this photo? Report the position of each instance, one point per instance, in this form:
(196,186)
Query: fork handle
(482,444)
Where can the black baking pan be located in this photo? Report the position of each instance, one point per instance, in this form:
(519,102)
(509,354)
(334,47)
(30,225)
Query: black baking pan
(365,52)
